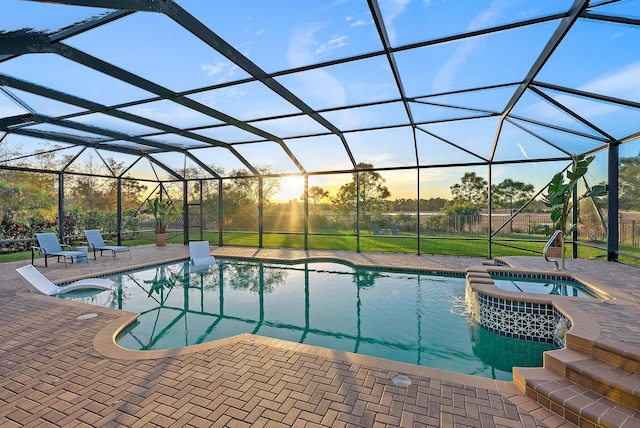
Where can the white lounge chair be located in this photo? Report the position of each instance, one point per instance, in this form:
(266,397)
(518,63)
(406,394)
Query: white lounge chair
(199,253)
(39,284)
(97,243)
(49,246)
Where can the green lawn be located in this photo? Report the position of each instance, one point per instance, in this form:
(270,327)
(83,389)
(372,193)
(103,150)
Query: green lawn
(450,245)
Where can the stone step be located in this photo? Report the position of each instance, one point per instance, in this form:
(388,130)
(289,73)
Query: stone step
(611,381)
(575,403)
(615,383)
(618,353)
(558,359)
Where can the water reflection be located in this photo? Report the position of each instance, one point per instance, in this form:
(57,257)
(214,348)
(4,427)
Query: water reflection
(503,353)
(414,318)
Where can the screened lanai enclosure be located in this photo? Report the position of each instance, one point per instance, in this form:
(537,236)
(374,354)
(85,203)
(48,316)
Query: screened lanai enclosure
(419,126)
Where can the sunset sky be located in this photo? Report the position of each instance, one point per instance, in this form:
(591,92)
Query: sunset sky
(277,36)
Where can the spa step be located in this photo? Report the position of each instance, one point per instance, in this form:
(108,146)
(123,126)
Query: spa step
(615,352)
(575,403)
(618,353)
(614,382)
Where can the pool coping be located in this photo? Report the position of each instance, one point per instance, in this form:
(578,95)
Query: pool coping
(105,344)
(115,319)
(584,329)
(105,341)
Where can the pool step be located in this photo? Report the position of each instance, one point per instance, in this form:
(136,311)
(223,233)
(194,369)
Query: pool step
(585,390)
(594,381)
(609,380)
(615,383)
(617,353)
(579,405)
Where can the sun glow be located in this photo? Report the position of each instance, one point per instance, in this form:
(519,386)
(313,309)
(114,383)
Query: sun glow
(290,188)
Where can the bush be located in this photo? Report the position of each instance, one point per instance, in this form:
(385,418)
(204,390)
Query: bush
(13,229)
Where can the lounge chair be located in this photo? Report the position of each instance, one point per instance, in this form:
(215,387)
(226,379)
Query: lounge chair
(96,243)
(377,230)
(38,283)
(199,254)
(394,229)
(49,246)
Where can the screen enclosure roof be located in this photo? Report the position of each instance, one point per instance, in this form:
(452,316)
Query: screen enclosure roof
(200,89)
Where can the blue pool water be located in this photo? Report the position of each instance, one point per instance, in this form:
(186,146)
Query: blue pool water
(554,286)
(409,317)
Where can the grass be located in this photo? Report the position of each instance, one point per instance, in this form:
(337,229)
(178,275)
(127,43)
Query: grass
(450,245)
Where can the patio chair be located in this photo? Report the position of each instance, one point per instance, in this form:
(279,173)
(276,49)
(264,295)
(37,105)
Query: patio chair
(49,246)
(199,254)
(97,243)
(394,229)
(39,284)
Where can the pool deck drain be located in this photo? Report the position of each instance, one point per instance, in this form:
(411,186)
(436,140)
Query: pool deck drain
(86,316)
(401,380)
(55,372)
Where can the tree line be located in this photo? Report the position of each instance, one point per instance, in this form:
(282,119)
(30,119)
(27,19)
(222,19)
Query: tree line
(30,198)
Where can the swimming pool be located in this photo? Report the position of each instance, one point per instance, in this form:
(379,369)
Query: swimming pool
(403,316)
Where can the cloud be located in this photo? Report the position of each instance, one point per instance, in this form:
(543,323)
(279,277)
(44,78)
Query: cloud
(321,88)
(335,42)
(522,150)
(446,75)
(302,45)
(303,50)
(9,108)
(348,119)
(213,69)
(231,93)
(623,83)
(487,17)
(391,10)
(221,70)
(358,23)
(169,112)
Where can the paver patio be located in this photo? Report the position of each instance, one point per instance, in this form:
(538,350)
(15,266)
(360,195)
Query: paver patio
(58,370)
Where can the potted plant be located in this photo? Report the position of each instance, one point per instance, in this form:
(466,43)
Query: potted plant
(163,211)
(558,196)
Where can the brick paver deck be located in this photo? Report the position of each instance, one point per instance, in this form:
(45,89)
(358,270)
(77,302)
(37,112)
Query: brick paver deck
(58,370)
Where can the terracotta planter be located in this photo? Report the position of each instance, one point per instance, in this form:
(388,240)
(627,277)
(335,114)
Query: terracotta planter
(161,239)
